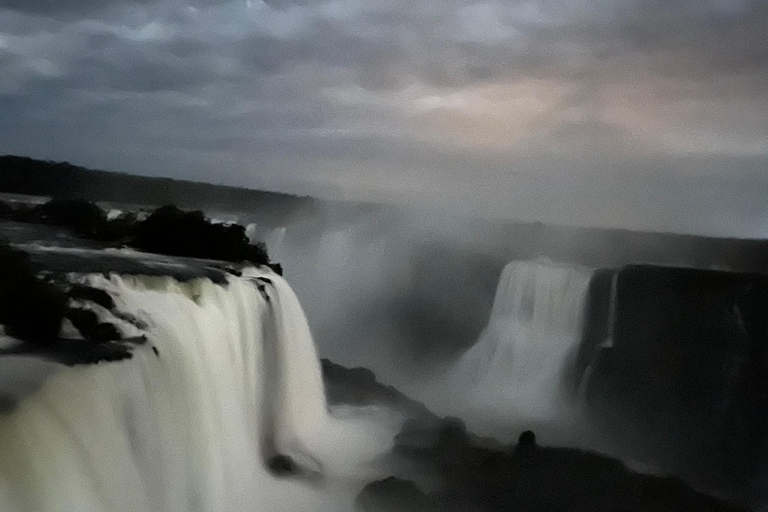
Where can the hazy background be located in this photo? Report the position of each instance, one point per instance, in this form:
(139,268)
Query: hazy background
(648,114)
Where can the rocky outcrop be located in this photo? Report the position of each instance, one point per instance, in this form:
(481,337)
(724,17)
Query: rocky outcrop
(169,230)
(359,387)
(524,476)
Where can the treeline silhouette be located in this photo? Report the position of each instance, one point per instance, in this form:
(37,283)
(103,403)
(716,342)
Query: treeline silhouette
(24,175)
(167,230)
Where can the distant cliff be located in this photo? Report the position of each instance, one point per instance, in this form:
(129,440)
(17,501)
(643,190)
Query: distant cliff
(685,375)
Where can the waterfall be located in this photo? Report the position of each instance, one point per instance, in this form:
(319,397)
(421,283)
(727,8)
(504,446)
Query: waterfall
(236,380)
(535,325)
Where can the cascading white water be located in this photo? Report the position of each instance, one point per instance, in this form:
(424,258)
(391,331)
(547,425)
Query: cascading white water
(236,380)
(535,324)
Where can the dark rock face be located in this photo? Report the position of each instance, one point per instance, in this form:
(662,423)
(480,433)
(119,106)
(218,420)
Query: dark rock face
(687,377)
(87,293)
(358,386)
(89,326)
(595,327)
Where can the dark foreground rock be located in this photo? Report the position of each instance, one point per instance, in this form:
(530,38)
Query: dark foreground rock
(525,477)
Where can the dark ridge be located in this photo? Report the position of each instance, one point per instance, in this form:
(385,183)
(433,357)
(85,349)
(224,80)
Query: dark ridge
(359,387)
(524,477)
(600,247)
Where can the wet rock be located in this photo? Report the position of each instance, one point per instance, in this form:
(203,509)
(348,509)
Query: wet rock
(532,478)
(87,322)
(88,293)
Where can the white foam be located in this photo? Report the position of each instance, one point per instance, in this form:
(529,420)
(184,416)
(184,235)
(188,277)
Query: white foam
(535,325)
(237,379)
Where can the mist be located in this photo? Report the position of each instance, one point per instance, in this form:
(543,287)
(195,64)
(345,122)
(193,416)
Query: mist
(407,249)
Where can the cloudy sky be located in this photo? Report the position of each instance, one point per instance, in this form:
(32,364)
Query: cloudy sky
(638,113)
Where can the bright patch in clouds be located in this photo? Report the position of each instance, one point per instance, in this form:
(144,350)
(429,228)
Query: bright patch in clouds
(495,105)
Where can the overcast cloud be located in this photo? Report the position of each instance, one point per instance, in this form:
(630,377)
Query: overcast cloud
(647,114)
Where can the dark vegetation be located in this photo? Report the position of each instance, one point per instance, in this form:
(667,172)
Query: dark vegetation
(522,477)
(168,230)
(177,233)
(83,217)
(23,175)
